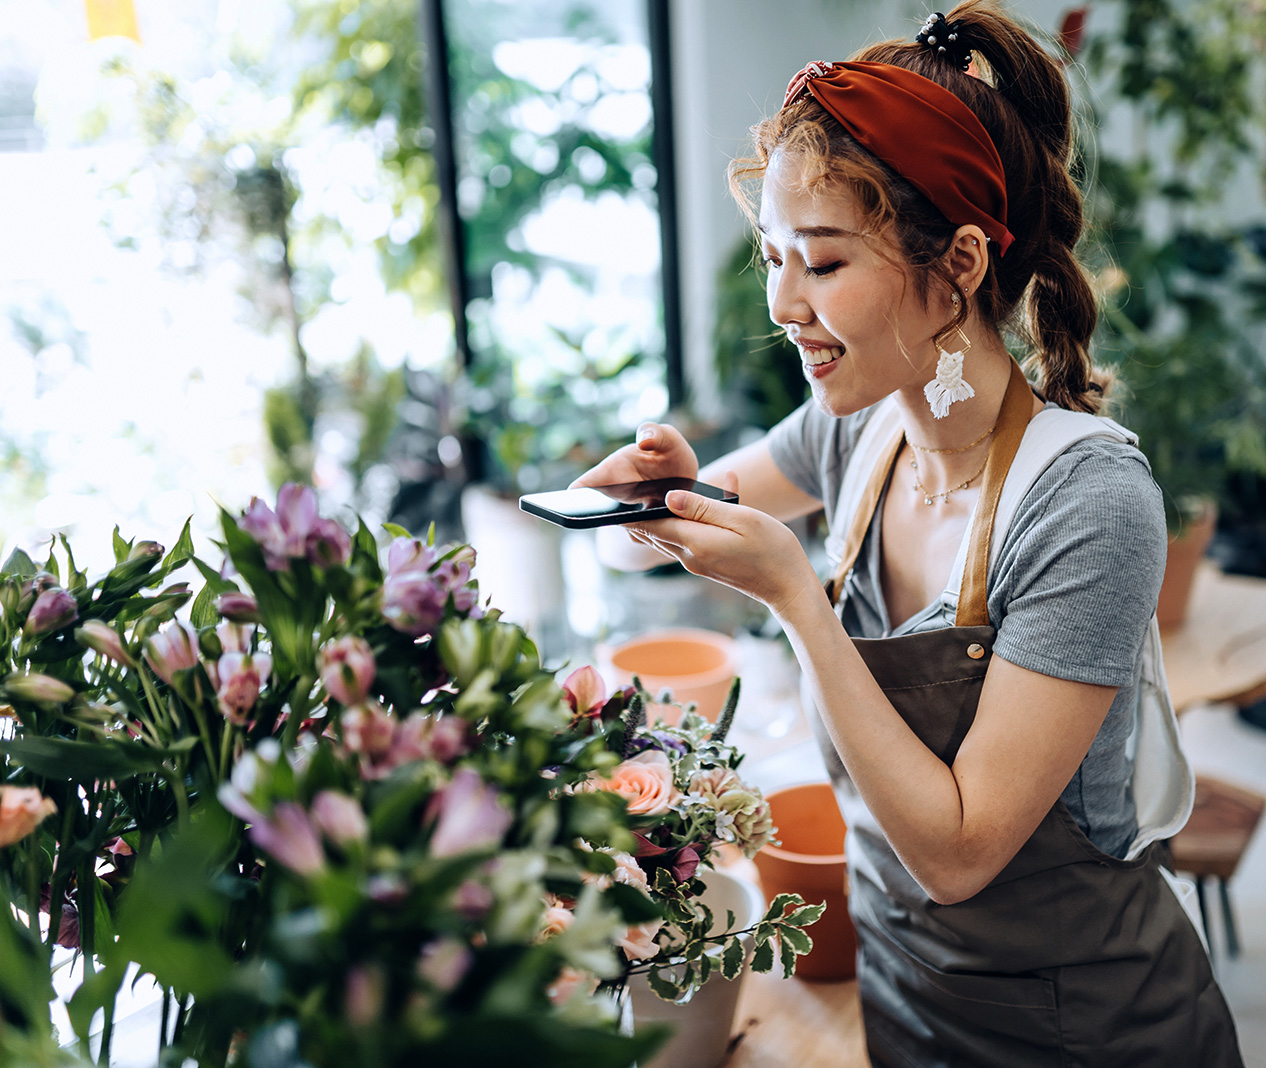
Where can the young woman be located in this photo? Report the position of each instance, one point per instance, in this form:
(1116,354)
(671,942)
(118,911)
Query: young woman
(984,700)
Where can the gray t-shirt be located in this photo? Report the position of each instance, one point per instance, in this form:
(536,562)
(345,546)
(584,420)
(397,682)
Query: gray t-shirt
(1071,595)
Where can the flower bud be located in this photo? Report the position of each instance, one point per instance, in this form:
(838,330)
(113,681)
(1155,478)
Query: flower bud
(291,839)
(22,809)
(328,544)
(52,610)
(38,689)
(340,817)
(347,669)
(238,607)
(102,638)
(145,550)
(239,677)
(174,648)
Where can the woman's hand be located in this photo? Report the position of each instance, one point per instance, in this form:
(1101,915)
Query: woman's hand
(735,545)
(659,451)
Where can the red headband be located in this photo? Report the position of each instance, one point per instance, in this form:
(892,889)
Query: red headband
(922,131)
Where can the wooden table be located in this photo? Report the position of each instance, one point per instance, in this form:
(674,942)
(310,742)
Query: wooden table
(794,1023)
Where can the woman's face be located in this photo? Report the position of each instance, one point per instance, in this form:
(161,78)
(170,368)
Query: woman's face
(856,319)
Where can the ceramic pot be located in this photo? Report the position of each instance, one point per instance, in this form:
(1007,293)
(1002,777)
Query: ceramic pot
(703,1025)
(1186,549)
(810,862)
(694,665)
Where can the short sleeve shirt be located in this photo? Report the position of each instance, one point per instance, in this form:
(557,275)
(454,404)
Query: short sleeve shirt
(1071,594)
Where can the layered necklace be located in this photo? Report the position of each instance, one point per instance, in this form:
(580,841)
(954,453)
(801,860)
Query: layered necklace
(932,498)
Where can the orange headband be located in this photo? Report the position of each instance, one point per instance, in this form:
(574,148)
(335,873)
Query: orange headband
(922,131)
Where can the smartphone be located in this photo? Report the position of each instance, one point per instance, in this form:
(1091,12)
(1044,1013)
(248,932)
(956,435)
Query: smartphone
(624,502)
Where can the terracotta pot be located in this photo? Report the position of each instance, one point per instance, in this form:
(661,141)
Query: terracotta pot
(703,1025)
(1186,549)
(810,862)
(695,666)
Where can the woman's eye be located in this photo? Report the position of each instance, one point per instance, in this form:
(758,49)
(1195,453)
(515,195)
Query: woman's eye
(770,263)
(822,271)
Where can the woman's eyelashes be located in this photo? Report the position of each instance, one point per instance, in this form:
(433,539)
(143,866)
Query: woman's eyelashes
(823,270)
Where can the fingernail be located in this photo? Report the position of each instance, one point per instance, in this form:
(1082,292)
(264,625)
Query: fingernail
(644,432)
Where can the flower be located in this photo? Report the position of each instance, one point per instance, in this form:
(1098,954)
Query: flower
(174,648)
(413,602)
(22,809)
(53,609)
(347,669)
(743,815)
(646,782)
(638,941)
(39,689)
(410,554)
(585,691)
(557,919)
(340,818)
(291,838)
(104,639)
(468,813)
(444,963)
(240,677)
(571,982)
(368,729)
(238,607)
(295,531)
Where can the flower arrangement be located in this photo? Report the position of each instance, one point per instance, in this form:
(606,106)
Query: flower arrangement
(332,804)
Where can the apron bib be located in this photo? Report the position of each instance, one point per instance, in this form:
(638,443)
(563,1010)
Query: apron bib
(1069,957)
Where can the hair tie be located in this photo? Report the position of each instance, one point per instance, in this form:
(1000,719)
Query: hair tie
(946,39)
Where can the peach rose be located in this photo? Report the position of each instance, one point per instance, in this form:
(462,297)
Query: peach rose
(22,809)
(571,981)
(629,872)
(638,941)
(645,781)
(557,919)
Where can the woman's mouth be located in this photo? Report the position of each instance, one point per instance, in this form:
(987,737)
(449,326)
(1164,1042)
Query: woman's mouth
(817,358)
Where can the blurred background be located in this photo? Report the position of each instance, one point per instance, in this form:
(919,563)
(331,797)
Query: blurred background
(429,254)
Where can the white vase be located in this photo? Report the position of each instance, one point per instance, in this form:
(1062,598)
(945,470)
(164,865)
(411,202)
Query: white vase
(702,1026)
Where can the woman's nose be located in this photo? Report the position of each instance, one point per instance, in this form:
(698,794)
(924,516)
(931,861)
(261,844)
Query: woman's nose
(786,303)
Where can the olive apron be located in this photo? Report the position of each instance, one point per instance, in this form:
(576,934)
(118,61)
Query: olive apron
(1069,957)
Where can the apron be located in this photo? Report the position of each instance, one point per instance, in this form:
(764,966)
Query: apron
(1069,957)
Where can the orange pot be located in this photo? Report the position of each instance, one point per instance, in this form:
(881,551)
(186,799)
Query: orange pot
(695,666)
(1186,549)
(810,862)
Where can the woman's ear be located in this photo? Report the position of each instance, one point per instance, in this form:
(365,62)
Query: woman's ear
(968,258)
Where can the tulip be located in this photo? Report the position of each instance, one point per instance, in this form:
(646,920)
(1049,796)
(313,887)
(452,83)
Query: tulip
(22,809)
(38,689)
(238,607)
(413,602)
(174,648)
(290,837)
(340,817)
(239,677)
(468,814)
(104,639)
(53,609)
(347,669)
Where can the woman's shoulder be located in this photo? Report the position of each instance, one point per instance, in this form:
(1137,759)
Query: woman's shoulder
(812,447)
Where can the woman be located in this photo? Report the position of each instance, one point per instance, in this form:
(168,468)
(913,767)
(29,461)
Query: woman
(1010,905)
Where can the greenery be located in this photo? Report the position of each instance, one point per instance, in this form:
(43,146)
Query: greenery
(1184,320)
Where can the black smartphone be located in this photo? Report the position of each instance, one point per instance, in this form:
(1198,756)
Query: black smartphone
(624,502)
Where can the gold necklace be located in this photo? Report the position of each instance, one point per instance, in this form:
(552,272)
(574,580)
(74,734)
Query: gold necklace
(931,498)
(946,452)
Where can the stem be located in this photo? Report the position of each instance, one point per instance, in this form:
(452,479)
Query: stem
(300,705)
(226,751)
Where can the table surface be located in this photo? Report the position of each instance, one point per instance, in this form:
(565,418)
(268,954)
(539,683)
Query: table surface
(794,1023)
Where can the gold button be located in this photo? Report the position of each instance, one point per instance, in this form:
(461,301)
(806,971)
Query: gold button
(975,651)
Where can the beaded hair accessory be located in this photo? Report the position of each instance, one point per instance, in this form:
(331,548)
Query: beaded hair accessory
(946,39)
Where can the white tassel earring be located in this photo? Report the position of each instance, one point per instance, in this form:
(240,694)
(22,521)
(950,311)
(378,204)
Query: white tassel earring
(948,386)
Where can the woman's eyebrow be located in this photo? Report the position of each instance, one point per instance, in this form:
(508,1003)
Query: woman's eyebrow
(817,231)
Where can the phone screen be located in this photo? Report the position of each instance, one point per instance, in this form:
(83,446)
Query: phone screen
(625,502)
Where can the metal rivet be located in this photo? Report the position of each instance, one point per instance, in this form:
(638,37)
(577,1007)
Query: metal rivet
(975,651)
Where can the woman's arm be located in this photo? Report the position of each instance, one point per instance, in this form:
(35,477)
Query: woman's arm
(954,827)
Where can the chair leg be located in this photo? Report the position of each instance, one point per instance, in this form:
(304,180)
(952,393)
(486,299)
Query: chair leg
(1204,912)
(1228,918)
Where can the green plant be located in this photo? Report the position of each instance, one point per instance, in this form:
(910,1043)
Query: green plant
(1184,288)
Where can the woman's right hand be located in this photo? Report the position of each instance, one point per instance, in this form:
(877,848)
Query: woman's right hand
(659,451)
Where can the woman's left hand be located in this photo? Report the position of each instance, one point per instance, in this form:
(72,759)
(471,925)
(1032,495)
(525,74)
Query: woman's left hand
(735,545)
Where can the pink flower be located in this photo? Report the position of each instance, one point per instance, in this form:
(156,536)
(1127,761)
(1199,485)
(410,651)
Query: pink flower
(103,639)
(557,920)
(638,941)
(585,690)
(444,963)
(290,837)
(238,607)
(347,669)
(53,609)
(409,554)
(295,530)
(423,737)
(235,637)
(328,544)
(629,872)
(340,817)
(22,809)
(368,730)
(363,994)
(473,899)
(645,781)
(174,648)
(468,814)
(240,677)
(571,982)
(413,602)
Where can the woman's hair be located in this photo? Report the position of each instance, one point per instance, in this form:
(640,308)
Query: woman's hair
(1039,290)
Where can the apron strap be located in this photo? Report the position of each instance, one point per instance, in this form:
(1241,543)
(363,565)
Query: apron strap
(1017,408)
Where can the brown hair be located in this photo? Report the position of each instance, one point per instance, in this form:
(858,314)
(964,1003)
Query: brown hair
(1039,290)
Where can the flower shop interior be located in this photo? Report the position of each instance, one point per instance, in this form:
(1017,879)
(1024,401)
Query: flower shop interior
(309,729)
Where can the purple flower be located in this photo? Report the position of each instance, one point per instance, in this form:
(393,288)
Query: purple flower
(328,544)
(444,963)
(53,609)
(340,817)
(364,992)
(661,740)
(103,639)
(474,900)
(468,814)
(347,669)
(239,678)
(409,554)
(413,602)
(295,530)
(290,837)
(174,648)
(237,607)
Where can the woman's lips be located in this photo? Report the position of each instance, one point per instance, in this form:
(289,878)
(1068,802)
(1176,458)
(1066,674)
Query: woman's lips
(818,359)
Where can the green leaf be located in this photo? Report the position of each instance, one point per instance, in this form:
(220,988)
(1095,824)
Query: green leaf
(121,547)
(732,959)
(396,530)
(63,759)
(796,938)
(779,905)
(662,986)
(182,551)
(805,915)
(20,565)
(788,954)
(763,958)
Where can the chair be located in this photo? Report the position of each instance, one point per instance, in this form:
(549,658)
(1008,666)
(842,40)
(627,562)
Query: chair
(1213,841)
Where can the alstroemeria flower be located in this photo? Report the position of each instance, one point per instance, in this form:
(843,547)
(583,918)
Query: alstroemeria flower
(444,963)
(53,609)
(347,669)
(295,530)
(240,677)
(369,730)
(585,690)
(174,648)
(645,781)
(290,837)
(468,814)
(409,554)
(102,638)
(238,607)
(22,809)
(235,637)
(39,689)
(413,602)
(426,737)
(340,817)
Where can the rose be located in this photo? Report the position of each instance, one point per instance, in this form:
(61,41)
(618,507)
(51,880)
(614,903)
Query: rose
(22,809)
(571,982)
(638,941)
(557,920)
(645,781)
(347,669)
